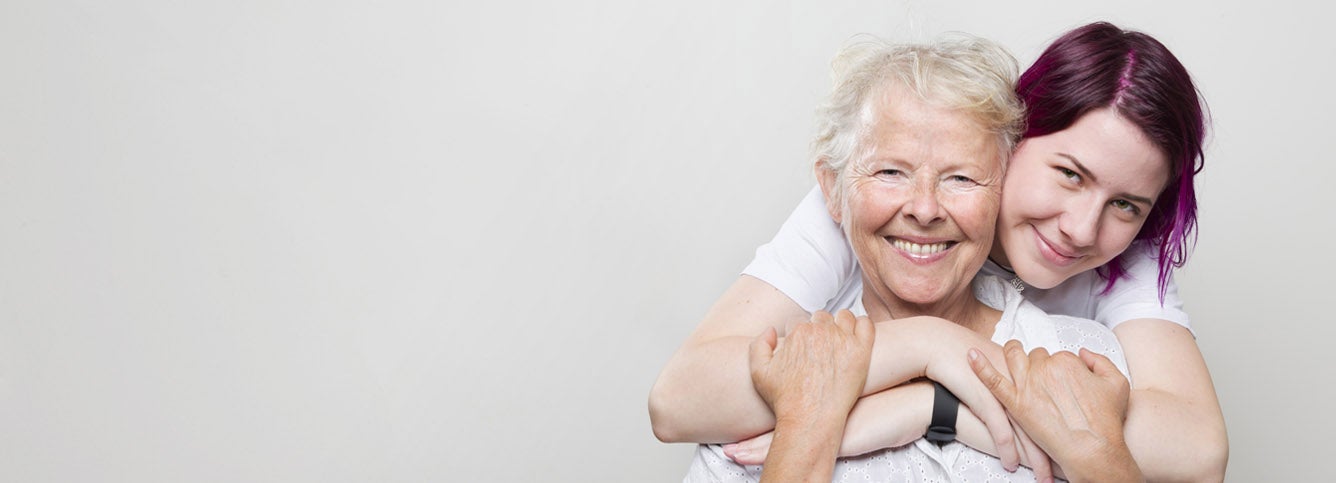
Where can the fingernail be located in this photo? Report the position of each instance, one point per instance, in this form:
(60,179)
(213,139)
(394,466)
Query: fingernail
(974,354)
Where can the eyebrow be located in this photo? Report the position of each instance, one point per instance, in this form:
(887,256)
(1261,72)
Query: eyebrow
(1086,172)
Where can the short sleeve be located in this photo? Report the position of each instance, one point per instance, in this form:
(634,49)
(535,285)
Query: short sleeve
(1137,295)
(809,260)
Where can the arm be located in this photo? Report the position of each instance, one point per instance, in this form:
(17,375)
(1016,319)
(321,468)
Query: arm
(890,419)
(1174,425)
(810,381)
(705,394)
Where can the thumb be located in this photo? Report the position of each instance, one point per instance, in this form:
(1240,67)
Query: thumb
(1100,365)
(762,348)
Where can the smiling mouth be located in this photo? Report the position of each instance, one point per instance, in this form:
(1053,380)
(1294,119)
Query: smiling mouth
(1058,255)
(921,249)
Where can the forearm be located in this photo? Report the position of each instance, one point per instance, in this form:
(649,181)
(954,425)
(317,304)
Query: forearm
(1174,426)
(900,415)
(705,395)
(803,450)
(888,419)
(1113,464)
(971,432)
(1173,439)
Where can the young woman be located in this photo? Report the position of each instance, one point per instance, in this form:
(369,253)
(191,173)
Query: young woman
(1097,208)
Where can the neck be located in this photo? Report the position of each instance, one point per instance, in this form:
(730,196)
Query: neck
(961,307)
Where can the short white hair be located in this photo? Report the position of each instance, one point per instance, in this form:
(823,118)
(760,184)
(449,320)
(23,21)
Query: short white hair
(963,72)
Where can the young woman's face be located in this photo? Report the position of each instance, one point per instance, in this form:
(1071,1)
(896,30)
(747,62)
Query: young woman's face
(1074,199)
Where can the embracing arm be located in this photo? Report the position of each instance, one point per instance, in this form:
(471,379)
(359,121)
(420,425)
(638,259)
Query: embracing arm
(1174,425)
(705,394)
(895,417)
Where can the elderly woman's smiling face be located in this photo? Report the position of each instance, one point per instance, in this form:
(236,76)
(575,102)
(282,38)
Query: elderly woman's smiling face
(919,201)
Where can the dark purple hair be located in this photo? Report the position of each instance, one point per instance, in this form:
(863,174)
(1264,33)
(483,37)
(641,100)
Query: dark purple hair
(1100,65)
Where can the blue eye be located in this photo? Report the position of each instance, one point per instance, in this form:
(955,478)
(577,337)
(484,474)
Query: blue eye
(961,179)
(890,172)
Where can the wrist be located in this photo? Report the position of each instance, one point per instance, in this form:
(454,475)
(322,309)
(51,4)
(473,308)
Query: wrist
(812,424)
(1112,461)
(889,419)
(945,406)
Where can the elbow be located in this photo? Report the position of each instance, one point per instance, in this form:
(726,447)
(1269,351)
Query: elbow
(1212,457)
(659,412)
(1215,457)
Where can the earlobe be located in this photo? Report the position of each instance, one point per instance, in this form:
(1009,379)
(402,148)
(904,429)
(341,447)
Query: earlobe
(828,178)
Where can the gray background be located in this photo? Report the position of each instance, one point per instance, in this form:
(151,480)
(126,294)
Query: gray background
(425,241)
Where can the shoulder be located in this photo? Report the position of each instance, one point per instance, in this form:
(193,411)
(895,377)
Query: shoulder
(1137,295)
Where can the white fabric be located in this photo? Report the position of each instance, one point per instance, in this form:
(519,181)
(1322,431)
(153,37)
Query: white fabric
(811,262)
(925,461)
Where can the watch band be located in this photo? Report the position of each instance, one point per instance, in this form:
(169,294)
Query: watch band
(942,429)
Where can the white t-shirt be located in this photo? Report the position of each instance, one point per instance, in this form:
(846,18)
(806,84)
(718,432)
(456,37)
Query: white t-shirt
(924,461)
(811,262)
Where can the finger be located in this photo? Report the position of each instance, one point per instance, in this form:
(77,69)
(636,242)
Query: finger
(999,427)
(762,349)
(751,451)
(1018,363)
(1104,368)
(999,385)
(865,331)
(822,316)
(1098,363)
(845,320)
(1038,459)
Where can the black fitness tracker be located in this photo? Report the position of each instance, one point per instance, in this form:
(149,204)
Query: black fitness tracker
(942,429)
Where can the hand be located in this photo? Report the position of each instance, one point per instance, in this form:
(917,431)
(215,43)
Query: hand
(1032,455)
(941,342)
(750,451)
(1074,407)
(819,368)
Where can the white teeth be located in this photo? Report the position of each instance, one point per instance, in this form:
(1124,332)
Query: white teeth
(919,249)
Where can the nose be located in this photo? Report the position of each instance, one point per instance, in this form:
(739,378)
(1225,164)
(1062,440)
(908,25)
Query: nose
(923,207)
(1080,222)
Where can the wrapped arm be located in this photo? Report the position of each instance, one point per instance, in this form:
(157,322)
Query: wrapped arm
(1174,427)
(705,394)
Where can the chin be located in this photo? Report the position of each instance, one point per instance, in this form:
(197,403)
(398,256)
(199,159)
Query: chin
(1041,277)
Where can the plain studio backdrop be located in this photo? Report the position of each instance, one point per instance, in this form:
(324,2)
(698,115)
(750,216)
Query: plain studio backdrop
(449,241)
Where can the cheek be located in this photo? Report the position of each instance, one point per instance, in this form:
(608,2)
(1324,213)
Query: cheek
(870,207)
(1030,199)
(1117,237)
(975,213)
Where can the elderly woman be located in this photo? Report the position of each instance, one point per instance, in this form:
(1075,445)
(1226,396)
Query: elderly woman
(915,139)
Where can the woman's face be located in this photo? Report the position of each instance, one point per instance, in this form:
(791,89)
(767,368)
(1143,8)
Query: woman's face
(1074,199)
(920,202)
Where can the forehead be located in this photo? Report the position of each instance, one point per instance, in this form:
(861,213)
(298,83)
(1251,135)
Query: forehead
(1114,149)
(902,126)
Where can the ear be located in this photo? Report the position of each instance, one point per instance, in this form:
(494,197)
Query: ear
(828,180)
